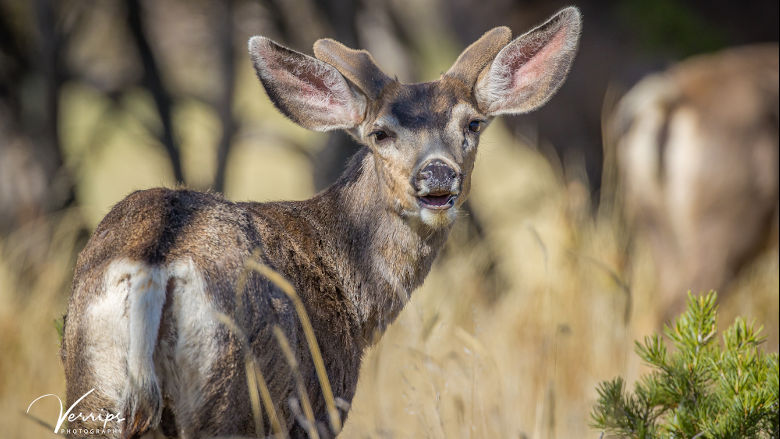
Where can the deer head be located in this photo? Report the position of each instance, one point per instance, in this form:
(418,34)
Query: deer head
(424,136)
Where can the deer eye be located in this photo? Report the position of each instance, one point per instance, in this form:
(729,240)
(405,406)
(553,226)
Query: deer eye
(379,135)
(475,126)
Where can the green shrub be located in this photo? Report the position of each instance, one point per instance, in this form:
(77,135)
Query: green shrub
(699,389)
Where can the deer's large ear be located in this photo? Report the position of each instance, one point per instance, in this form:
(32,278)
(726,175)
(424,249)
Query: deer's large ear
(531,68)
(479,55)
(356,65)
(310,92)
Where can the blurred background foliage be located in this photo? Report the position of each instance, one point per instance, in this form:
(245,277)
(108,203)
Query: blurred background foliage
(534,299)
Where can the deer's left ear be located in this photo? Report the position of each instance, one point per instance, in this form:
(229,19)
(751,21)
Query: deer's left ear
(310,92)
(531,68)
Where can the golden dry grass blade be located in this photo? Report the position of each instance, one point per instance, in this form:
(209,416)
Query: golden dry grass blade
(268,403)
(254,398)
(39,421)
(311,339)
(255,382)
(311,426)
(609,177)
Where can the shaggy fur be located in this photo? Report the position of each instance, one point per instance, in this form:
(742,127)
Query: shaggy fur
(143,325)
(697,149)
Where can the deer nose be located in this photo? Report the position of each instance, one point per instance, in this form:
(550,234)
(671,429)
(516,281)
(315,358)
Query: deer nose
(437,176)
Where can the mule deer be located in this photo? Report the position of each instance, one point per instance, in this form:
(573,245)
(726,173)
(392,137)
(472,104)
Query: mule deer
(143,326)
(697,150)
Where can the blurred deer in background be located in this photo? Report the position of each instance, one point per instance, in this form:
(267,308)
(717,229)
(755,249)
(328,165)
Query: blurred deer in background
(164,313)
(697,154)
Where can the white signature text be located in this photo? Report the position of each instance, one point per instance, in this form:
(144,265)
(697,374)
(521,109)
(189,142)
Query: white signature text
(105,418)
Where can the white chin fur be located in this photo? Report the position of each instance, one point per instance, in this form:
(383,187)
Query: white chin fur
(438,218)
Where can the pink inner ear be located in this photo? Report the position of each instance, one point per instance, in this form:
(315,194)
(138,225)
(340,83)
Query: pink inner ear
(303,77)
(530,69)
(309,91)
(532,61)
(315,93)
(309,86)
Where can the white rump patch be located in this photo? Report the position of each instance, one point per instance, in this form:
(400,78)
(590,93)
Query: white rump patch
(121,332)
(121,327)
(196,347)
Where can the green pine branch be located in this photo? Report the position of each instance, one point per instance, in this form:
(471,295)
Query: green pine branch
(698,388)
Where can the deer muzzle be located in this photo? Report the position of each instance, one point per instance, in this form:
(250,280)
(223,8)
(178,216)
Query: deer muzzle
(437,184)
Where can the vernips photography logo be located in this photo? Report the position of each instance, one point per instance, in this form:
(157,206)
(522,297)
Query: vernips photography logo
(110,421)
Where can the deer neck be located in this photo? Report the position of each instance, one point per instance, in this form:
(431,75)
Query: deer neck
(388,254)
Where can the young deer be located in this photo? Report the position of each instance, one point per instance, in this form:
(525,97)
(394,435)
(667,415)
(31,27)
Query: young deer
(143,326)
(697,150)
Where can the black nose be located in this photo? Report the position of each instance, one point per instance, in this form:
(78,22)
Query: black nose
(437,175)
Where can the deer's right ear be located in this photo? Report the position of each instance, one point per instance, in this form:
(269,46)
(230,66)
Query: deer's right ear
(530,69)
(310,92)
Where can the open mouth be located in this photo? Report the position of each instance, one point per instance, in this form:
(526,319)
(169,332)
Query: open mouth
(437,201)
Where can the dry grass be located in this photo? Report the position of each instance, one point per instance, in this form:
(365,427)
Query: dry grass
(461,361)
(36,266)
